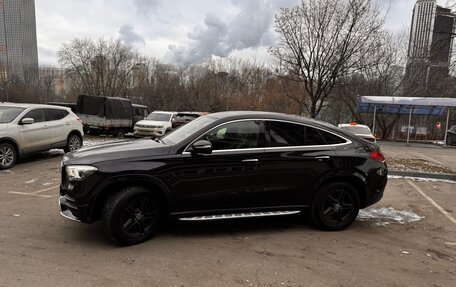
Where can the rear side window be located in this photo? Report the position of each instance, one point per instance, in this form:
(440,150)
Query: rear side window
(283,134)
(332,138)
(286,134)
(55,114)
(37,115)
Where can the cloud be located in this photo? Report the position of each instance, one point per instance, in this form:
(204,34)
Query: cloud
(129,36)
(249,27)
(144,7)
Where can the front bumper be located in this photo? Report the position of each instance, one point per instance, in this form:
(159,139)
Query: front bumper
(155,132)
(67,209)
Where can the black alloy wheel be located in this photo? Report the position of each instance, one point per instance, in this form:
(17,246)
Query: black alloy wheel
(8,156)
(131,216)
(335,206)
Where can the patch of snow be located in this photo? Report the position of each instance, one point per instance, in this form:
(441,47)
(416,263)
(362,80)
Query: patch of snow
(6,171)
(421,179)
(97,141)
(30,181)
(47,183)
(385,215)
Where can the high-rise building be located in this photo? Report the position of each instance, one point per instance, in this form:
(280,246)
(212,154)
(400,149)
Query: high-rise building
(430,44)
(18,43)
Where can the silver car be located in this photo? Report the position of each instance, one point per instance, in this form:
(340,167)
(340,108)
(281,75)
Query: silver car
(30,128)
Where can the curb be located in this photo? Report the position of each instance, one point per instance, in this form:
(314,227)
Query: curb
(423,174)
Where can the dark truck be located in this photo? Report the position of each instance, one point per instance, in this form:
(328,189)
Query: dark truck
(108,115)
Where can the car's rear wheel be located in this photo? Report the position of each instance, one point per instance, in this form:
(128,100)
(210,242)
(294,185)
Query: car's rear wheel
(131,215)
(335,206)
(74,142)
(8,155)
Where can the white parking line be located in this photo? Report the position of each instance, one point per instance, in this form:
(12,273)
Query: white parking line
(451,218)
(429,158)
(35,193)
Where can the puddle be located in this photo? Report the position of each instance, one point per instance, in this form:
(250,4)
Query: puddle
(386,215)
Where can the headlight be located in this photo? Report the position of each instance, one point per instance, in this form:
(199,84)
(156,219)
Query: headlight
(79,172)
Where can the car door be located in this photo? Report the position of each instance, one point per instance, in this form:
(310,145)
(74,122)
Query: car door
(59,126)
(36,136)
(230,177)
(295,157)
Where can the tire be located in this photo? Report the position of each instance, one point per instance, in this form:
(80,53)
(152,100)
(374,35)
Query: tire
(120,134)
(74,142)
(335,206)
(8,156)
(131,216)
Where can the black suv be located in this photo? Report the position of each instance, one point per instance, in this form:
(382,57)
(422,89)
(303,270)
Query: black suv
(220,166)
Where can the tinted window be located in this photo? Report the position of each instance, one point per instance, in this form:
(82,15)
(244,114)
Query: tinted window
(313,137)
(55,114)
(37,115)
(286,134)
(332,138)
(237,135)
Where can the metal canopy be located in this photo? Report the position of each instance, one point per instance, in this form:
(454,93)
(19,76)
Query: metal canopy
(406,106)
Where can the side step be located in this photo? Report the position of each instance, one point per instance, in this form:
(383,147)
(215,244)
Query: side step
(239,215)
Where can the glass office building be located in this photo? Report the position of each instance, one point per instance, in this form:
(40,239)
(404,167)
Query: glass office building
(18,42)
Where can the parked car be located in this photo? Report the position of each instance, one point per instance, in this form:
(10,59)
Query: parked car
(183,118)
(140,112)
(30,128)
(451,136)
(156,124)
(362,131)
(221,166)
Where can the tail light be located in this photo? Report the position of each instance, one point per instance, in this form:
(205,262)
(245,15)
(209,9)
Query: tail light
(377,156)
(79,120)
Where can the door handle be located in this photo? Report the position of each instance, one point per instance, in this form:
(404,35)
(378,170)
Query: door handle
(67,123)
(322,157)
(250,160)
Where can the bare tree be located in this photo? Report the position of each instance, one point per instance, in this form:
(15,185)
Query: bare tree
(102,66)
(322,40)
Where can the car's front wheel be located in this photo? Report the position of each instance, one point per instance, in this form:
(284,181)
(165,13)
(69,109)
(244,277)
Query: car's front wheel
(74,142)
(8,155)
(131,215)
(335,206)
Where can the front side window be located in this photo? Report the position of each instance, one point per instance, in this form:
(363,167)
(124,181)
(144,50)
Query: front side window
(237,135)
(37,115)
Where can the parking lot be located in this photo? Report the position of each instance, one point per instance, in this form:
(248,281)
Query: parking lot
(407,239)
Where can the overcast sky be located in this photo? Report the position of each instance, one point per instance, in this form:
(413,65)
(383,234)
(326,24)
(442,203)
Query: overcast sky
(176,31)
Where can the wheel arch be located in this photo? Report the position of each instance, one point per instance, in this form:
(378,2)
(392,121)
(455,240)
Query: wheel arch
(75,132)
(115,184)
(354,179)
(12,142)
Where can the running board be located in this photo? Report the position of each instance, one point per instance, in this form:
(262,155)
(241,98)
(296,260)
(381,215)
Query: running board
(239,215)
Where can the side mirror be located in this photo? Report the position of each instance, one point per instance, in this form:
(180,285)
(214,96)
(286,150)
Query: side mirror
(27,121)
(202,147)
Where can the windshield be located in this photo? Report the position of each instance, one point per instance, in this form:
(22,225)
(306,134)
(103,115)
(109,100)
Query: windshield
(159,117)
(8,114)
(187,130)
(357,129)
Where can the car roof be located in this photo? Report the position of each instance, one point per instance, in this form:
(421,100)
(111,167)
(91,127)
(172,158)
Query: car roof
(352,125)
(269,115)
(26,106)
(164,112)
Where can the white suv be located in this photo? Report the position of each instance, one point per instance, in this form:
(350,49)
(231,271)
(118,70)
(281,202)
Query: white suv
(156,124)
(29,128)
